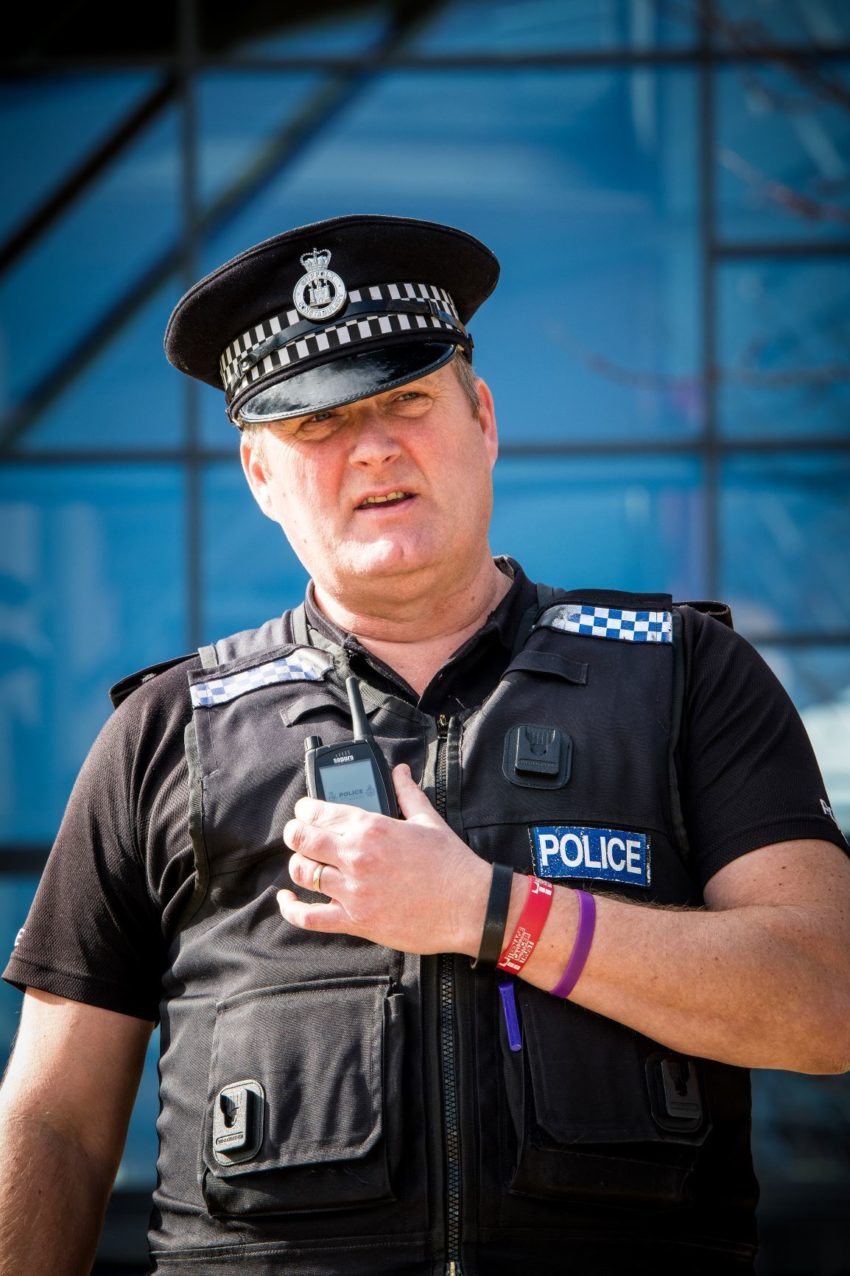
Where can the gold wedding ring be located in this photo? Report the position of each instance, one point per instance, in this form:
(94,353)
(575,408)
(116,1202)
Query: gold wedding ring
(317,877)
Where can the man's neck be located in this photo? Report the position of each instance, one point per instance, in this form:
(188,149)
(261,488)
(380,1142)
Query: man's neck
(415,636)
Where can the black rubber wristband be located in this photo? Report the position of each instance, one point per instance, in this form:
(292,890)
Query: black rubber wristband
(496,918)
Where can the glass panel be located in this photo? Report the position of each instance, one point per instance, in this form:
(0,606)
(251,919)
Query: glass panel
(619,524)
(16,892)
(233,142)
(250,573)
(49,125)
(801,1137)
(783,137)
(583,183)
(130,397)
(784,334)
(801,1132)
(818,681)
(785,528)
(91,587)
(90,260)
(799,22)
(138,1165)
(523,26)
(355,30)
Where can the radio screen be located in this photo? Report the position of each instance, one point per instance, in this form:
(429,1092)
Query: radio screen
(351,782)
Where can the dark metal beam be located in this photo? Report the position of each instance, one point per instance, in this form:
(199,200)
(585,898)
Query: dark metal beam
(23,860)
(686,54)
(706,169)
(781,248)
(63,195)
(514,449)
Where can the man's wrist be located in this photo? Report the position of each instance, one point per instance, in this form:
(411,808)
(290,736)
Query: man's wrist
(474,913)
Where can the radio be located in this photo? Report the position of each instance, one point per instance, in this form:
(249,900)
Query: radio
(354,772)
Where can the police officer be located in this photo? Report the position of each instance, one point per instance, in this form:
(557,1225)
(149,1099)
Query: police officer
(509,1029)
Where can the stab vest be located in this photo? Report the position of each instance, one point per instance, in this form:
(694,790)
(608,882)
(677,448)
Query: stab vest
(329,1105)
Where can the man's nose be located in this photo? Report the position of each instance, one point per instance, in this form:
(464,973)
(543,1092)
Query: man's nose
(375,443)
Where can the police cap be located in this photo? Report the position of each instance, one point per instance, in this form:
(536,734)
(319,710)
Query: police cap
(329,313)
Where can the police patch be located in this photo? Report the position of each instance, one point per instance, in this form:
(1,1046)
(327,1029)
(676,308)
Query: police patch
(576,851)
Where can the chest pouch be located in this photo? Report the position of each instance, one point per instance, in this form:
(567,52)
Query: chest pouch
(317,1124)
(597,1110)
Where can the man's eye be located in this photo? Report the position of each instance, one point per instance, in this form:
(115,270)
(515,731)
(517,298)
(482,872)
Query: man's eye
(410,399)
(318,426)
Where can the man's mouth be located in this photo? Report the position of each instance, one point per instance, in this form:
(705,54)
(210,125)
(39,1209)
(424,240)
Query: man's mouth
(388,498)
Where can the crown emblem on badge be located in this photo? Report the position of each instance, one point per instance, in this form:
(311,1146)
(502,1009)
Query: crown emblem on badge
(316,262)
(320,294)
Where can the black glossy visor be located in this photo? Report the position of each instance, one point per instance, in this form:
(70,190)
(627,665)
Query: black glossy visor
(344,379)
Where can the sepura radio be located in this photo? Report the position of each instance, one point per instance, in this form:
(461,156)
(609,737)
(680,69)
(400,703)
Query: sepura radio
(354,772)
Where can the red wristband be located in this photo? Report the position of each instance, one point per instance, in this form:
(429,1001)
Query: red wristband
(529,928)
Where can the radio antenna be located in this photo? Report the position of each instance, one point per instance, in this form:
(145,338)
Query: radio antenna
(359,721)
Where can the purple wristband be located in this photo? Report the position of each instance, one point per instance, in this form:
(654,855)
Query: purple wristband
(581,947)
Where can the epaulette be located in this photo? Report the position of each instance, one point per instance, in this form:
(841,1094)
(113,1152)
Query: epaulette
(133,681)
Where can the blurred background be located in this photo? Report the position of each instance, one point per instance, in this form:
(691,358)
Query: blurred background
(667,184)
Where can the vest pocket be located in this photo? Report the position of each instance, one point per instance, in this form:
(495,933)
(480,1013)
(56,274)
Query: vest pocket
(598,1110)
(304,1098)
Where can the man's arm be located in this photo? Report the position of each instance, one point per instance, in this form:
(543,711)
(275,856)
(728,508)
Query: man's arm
(760,978)
(64,1107)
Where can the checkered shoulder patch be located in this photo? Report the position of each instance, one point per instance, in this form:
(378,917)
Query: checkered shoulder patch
(610,622)
(303,665)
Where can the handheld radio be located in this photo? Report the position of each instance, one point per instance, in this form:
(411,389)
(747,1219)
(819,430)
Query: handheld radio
(354,772)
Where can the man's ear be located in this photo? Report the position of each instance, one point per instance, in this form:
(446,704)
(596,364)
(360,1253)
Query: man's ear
(487,419)
(254,467)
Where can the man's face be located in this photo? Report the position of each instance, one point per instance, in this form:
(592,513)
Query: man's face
(390,490)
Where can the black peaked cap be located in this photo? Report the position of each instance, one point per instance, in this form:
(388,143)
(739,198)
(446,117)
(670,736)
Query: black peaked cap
(249,327)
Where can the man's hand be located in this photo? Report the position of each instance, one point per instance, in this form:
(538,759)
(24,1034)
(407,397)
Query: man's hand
(409,884)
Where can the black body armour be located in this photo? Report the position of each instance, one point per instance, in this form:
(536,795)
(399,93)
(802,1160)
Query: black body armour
(329,1105)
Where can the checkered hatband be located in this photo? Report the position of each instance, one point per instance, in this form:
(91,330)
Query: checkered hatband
(286,340)
(610,622)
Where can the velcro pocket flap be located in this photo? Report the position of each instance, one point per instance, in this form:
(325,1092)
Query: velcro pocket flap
(324,1060)
(551,664)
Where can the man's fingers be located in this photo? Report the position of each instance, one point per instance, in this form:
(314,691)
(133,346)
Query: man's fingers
(327,815)
(310,841)
(412,801)
(321,917)
(304,872)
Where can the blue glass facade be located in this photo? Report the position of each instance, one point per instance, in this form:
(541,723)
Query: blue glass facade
(669,349)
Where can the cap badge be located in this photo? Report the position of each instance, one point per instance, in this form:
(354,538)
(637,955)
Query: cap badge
(320,294)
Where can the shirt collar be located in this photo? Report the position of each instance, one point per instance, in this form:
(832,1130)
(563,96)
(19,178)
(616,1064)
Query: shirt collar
(502,623)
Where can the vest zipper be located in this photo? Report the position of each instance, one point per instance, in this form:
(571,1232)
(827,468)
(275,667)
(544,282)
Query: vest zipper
(447,1044)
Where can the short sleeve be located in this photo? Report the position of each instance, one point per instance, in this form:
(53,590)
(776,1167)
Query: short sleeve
(95,931)
(748,773)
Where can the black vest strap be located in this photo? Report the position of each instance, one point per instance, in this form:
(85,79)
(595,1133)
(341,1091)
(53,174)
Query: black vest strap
(299,627)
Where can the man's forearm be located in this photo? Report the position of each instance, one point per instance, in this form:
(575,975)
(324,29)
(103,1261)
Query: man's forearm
(755,985)
(52,1200)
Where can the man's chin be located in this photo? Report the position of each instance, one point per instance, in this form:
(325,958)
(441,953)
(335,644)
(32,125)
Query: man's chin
(374,575)
(383,558)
